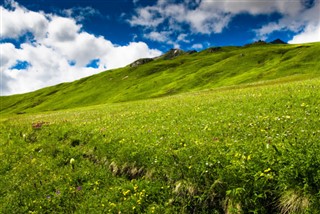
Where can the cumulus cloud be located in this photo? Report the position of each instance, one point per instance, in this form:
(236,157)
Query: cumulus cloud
(310,34)
(212,17)
(19,21)
(148,16)
(81,13)
(62,29)
(158,36)
(197,46)
(304,21)
(59,52)
(183,37)
(253,7)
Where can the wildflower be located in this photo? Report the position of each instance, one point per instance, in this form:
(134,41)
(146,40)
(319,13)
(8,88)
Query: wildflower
(72,160)
(79,188)
(58,192)
(126,192)
(72,163)
(267,170)
(112,204)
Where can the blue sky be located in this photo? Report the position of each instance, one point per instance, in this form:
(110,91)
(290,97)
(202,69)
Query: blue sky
(46,42)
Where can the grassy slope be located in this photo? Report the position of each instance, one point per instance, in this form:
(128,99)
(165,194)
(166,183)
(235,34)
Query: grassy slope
(244,150)
(204,70)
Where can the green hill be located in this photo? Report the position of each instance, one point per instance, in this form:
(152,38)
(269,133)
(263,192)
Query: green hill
(172,74)
(244,150)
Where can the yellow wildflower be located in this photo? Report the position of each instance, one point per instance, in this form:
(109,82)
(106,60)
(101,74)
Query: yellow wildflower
(267,170)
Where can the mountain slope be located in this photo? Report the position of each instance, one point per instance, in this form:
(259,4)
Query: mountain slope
(185,72)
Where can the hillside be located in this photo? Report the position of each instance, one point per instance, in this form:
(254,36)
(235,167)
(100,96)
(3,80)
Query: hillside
(244,150)
(240,134)
(170,74)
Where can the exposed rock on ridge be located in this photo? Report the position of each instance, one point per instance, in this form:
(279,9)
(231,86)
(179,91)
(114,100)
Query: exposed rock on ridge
(140,62)
(278,41)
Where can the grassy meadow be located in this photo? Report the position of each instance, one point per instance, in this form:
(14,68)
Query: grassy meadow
(251,148)
(225,130)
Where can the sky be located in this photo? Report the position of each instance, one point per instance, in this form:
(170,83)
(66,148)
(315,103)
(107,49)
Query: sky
(47,42)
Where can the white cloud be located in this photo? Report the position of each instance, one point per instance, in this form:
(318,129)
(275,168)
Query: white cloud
(58,42)
(305,22)
(183,38)
(6,59)
(158,36)
(252,7)
(208,17)
(310,34)
(20,21)
(207,22)
(80,13)
(134,50)
(148,16)
(62,29)
(197,46)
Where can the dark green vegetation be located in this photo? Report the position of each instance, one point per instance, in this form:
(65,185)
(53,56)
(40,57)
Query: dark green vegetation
(210,68)
(249,148)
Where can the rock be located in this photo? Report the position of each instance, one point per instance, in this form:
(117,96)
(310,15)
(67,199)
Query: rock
(278,42)
(140,62)
(259,42)
(172,54)
(192,52)
(214,49)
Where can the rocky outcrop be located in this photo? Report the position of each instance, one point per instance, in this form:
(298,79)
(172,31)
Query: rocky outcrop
(140,62)
(214,49)
(192,52)
(256,43)
(172,54)
(278,42)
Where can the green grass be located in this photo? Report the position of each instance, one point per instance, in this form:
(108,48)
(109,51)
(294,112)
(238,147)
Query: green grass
(232,131)
(227,66)
(250,148)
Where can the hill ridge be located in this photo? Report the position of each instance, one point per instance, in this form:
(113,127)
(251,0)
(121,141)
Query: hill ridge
(172,73)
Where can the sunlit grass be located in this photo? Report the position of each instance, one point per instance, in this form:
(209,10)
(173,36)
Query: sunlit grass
(228,150)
